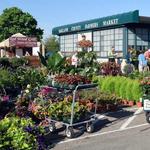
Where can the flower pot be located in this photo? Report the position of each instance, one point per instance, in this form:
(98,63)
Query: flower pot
(125,102)
(131,103)
(139,104)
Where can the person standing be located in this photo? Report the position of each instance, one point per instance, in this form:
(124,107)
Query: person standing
(111,55)
(147,56)
(74,59)
(142,62)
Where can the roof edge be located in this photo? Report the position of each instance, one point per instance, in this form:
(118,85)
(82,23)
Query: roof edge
(128,17)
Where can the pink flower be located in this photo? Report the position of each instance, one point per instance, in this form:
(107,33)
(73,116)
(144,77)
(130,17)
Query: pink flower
(5,98)
(46,90)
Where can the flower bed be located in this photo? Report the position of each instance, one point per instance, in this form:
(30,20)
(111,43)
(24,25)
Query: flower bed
(122,87)
(69,81)
(145,83)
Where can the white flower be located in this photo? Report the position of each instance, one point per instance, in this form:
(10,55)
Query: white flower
(27,91)
(28,86)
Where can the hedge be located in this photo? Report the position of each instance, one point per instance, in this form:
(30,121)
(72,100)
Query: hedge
(122,87)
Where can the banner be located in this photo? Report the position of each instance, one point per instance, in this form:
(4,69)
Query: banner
(23,41)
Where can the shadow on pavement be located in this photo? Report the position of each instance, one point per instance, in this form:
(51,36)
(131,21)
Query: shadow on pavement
(59,134)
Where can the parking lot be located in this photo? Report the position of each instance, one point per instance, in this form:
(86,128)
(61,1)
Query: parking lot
(113,130)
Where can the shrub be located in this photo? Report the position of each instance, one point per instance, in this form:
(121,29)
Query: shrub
(129,90)
(104,85)
(17,62)
(122,91)
(4,62)
(123,87)
(128,69)
(111,85)
(117,85)
(137,90)
(110,68)
(23,77)
(5,78)
(14,136)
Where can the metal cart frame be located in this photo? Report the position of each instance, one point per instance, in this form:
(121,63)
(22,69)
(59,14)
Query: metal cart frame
(89,122)
(146,108)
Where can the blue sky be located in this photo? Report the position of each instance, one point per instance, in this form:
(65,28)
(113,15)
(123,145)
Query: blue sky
(51,13)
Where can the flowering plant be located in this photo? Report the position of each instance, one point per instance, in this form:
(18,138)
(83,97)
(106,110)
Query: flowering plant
(145,83)
(85,43)
(110,68)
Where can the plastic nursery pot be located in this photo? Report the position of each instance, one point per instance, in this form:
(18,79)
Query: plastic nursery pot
(131,103)
(139,104)
(125,102)
(111,107)
(101,108)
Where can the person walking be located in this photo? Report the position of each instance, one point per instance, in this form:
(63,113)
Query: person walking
(142,62)
(147,56)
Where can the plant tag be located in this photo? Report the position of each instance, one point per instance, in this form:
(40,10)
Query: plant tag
(146,104)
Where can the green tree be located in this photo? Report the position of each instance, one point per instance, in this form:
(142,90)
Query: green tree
(51,44)
(14,20)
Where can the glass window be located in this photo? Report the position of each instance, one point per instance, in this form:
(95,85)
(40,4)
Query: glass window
(105,39)
(68,43)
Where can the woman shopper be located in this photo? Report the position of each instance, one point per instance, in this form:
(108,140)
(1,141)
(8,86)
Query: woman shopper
(142,62)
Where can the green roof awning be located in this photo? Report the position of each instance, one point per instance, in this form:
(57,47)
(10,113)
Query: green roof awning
(120,19)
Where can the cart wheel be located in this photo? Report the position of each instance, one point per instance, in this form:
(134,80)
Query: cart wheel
(52,127)
(69,132)
(90,128)
(148,117)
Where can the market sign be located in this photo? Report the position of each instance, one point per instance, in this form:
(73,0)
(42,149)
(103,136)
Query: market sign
(130,17)
(23,41)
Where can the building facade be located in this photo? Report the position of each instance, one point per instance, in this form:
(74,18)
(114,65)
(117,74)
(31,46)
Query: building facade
(122,31)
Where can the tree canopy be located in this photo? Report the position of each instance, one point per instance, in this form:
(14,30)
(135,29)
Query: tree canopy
(14,20)
(51,44)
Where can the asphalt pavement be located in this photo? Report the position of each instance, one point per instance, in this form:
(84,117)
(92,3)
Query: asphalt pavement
(125,129)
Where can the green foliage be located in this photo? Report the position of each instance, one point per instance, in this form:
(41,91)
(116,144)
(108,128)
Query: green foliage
(102,97)
(13,135)
(118,84)
(104,85)
(55,63)
(42,59)
(87,64)
(122,87)
(62,110)
(5,78)
(139,75)
(12,63)
(51,44)
(4,62)
(22,77)
(129,90)
(14,20)
(122,91)
(128,69)
(17,62)
(137,91)
(108,85)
